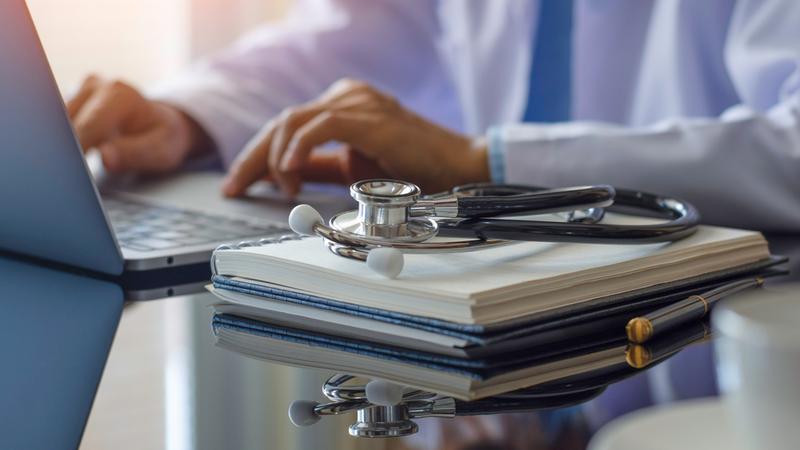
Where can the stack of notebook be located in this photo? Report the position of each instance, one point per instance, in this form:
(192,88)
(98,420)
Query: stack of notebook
(583,364)
(469,324)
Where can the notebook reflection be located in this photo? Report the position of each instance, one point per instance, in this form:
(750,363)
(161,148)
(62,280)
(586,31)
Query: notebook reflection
(408,384)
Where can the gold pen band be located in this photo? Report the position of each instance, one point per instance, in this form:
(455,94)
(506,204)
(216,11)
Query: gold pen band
(639,330)
(638,356)
(702,299)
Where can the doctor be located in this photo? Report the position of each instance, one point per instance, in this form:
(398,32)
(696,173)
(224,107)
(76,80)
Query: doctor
(695,99)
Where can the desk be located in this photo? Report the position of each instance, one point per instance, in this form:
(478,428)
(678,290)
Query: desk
(166,385)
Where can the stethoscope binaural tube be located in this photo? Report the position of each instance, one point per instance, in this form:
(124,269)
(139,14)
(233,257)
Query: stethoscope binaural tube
(542,201)
(681,218)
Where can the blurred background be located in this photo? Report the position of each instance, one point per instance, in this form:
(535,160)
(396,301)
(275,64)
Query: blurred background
(166,386)
(140,40)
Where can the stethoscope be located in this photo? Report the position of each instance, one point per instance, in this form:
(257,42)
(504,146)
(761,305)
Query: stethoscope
(393,218)
(385,409)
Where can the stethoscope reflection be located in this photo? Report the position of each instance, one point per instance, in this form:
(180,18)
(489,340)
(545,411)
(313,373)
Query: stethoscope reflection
(386,409)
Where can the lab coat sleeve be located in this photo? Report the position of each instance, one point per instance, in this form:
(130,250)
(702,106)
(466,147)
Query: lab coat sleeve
(389,43)
(740,169)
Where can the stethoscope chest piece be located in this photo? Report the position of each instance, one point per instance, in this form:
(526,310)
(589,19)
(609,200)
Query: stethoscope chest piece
(384,215)
(416,229)
(383,421)
(386,409)
(382,409)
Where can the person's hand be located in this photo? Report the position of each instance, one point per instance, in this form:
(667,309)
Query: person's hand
(132,133)
(378,133)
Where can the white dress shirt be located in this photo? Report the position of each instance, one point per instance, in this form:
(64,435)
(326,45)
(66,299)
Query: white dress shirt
(698,99)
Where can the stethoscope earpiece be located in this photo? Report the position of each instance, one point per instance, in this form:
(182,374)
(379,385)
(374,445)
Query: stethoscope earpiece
(383,393)
(302,414)
(303,219)
(386,261)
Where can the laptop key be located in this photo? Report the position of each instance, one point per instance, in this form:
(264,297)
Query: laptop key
(214,234)
(184,226)
(144,227)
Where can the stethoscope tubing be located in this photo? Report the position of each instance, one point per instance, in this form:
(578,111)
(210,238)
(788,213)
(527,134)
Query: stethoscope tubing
(525,404)
(682,221)
(543,201)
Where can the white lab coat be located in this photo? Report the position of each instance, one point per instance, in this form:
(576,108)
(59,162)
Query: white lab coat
(699,99)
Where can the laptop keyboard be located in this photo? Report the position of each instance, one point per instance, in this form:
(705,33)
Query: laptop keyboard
(146,227)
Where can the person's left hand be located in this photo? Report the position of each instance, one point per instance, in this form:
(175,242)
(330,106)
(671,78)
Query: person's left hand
(381,137)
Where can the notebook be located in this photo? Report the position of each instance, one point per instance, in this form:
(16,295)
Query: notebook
(455,340)
(593,358)
(488,286)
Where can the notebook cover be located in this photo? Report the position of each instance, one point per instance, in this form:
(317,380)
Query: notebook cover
(473,368)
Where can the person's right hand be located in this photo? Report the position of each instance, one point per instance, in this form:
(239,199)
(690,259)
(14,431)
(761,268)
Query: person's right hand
(132,133)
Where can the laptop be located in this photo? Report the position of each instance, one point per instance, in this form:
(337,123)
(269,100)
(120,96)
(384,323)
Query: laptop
(56,335)
(52,208)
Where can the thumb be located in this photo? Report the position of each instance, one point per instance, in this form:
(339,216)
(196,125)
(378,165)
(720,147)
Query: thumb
(107,111)
(144,152)
(110,157)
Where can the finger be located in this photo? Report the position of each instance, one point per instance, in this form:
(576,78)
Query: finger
(251,164)
(290,122)
(88,87)
(144,152)
(102,115)
(323,128)
(345,87)
(324,167)
(355,166)
(342,166)
(291,172)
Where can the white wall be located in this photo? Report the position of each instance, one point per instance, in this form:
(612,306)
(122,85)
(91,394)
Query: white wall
(139,40)
(217,22)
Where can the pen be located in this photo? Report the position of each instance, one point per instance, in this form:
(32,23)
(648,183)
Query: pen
(640,356)
(643,328)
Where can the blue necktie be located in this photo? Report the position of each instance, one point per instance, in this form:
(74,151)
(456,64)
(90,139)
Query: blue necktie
(549,96)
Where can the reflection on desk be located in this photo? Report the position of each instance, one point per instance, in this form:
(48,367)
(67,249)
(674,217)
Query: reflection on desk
(563,375)
(56,334)
(225,400)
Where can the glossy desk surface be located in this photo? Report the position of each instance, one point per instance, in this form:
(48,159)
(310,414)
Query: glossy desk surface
(165,385)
